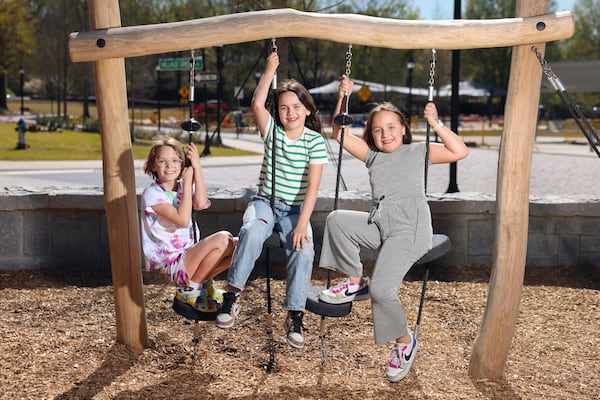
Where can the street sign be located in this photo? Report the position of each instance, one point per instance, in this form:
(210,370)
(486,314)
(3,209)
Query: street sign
(179,64)
(364,93)
(184,91)
(207,77)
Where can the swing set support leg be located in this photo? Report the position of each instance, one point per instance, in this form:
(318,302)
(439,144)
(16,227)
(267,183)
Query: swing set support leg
(196,340)
(323,344)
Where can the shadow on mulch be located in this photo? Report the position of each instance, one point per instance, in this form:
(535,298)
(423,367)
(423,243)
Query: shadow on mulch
(571,277)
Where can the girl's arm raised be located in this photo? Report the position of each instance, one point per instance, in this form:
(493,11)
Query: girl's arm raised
(261,93)
(179,216)
(200,198)
(353,145)
(452,147)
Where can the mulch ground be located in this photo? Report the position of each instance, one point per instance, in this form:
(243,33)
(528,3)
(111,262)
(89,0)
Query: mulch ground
(58,341)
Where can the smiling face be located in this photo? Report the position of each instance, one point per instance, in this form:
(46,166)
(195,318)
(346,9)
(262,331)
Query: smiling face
(387,131)
(292,114)
(167,166)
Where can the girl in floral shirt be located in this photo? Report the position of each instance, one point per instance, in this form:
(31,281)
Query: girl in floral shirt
(167,229)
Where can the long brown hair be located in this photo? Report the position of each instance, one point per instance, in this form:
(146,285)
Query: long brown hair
(291,85)
(386,106)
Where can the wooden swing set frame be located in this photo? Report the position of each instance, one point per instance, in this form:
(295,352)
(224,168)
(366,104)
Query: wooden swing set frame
(108,44)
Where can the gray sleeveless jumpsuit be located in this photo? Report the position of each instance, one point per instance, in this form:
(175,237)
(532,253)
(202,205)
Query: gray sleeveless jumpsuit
(399,225)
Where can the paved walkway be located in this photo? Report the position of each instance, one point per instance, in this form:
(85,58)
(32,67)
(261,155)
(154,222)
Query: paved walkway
(558,168)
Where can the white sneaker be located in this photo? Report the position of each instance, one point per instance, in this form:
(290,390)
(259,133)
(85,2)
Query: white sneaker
(293,329)
(401,359)
(345,292)
(229,311)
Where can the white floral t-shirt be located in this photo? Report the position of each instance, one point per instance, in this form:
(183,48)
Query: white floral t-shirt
(163,242)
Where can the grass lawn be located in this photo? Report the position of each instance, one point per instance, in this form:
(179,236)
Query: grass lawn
(74,145)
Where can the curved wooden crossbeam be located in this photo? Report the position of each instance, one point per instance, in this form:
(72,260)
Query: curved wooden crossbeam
(134,41)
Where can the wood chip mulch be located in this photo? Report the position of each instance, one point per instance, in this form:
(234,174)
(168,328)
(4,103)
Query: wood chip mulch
(58,341)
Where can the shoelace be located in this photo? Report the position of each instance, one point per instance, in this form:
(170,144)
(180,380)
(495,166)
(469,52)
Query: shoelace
(343,285)
(396,358)
(228,300)
(297,323)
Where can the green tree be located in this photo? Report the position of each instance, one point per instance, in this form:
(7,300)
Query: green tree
(492,66)
(585,43)
(488,66)
(17,44)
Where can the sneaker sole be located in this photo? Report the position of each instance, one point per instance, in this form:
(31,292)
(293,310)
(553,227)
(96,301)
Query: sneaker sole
(401,375)
(294,344)
(347,299)
(362,297)
(225,325)
(230,323)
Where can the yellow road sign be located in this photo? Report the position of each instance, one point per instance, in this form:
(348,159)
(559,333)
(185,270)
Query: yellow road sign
(364,93)
(184,91)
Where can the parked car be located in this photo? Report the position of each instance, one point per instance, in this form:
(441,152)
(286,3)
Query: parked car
(211,106)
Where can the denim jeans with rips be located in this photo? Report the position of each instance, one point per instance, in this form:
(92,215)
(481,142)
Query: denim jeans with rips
(258,223)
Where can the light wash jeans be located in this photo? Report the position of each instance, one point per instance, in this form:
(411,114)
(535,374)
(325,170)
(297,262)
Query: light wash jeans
(259,222)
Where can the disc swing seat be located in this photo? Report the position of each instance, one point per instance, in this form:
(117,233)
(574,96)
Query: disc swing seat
(313,303)
(183,308)
(440,243)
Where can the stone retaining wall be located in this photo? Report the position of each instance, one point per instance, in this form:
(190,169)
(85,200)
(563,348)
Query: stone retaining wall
(66,228)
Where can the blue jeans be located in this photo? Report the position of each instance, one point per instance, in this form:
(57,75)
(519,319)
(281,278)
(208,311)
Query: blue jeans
(258,223)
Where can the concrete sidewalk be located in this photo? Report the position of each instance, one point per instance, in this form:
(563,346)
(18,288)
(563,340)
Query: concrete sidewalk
(558,168)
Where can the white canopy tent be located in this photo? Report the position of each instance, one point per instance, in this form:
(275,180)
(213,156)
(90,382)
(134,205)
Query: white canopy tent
(465,88)
(332,87)
(471,89)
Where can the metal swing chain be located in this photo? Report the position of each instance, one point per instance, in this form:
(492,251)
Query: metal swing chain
(274,50)
(431,75)
(191,124)
(342,120)
(349,60)
(429,99)
(192,78)
(271,364)
(588,131)
(426,275)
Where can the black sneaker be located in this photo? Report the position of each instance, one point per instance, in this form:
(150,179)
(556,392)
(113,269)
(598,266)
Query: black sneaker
(293,329)
(229,311)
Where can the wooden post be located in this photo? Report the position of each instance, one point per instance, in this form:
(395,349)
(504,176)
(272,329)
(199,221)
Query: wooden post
(119,186)
(492,344)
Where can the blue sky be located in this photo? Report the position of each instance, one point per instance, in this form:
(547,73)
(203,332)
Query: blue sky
(444,9)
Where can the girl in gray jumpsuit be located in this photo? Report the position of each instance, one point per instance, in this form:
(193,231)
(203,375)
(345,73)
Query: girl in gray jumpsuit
(399,224)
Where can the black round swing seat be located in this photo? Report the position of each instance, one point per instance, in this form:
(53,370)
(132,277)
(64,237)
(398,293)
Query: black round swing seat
(191,125)
(315,305)
(440,246)
(189,312)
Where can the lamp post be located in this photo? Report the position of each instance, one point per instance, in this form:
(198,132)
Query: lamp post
(455,103)
(410,65)
(22,75)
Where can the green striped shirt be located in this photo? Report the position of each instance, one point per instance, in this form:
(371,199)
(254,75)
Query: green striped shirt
(293,158)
